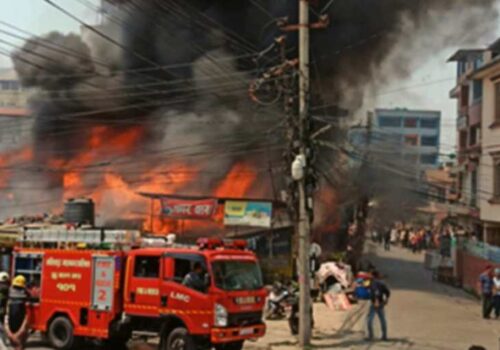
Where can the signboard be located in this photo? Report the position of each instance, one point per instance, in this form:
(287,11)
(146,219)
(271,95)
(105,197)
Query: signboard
(241,213)
(202,209)
(103,283)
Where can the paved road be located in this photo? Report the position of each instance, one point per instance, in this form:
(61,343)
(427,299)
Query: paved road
(427,315)
(422,315)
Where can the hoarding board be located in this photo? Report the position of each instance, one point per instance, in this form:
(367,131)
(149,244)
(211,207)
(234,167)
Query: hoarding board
(103,283)
(243,213)
(202,209)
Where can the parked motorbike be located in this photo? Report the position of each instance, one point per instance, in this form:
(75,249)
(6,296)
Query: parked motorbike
(293,305)
(276,302)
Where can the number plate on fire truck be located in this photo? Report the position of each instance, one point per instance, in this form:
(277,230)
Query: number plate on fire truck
(246,331)
(245,300)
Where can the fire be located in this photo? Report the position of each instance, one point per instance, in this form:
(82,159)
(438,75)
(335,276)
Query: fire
(12,159)
(327,217)
(237,183)
(102,142)
(116,189)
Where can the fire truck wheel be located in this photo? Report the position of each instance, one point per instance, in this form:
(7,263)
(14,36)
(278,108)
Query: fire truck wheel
(60,333)
(179,339)
(237,345)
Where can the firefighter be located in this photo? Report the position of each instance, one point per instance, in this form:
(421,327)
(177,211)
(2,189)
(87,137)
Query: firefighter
(194,279)
(16,320)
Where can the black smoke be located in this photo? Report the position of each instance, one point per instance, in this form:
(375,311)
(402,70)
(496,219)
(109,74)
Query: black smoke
(182,68)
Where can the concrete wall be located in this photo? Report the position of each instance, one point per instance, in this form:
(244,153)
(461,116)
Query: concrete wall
(469,268)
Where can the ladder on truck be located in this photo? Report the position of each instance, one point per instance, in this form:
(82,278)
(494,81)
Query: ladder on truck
(63,237)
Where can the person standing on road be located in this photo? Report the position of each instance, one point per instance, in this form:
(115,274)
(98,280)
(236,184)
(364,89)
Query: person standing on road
(17,318)
(486,287)
(496,292)
(379,298)
(387,240)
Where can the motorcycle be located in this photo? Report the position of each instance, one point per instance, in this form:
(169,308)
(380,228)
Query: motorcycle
(276,302)
(293,306)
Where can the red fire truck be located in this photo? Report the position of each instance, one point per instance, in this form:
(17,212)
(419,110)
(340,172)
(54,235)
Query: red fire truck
(99,284)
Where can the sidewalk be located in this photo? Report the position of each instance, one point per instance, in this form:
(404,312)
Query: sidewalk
(333,329)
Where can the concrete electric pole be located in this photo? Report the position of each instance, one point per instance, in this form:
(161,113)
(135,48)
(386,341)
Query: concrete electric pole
(304,226)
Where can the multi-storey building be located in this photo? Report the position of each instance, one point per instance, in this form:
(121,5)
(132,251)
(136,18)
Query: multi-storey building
(478,125)
(11,92)
(489,179)
(415,135)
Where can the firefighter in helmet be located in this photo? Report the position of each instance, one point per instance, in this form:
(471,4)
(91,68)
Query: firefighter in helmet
(17,318)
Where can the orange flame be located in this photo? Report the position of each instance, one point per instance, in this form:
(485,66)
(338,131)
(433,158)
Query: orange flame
(238,181)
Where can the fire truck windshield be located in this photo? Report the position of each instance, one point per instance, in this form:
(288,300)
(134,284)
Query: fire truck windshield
(237,275)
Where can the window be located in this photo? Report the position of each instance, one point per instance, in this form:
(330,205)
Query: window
(411,122)
(429,141)
(464,96)
(461,68)
(463,139)
(474,136)
(427,123)
(147,267)
(478,62)
(411,140)
(428,159)
(389,122)
(473,185)
(497,102)
(477,90)
(184,264)
(496,177)
(237,275)
(9,85)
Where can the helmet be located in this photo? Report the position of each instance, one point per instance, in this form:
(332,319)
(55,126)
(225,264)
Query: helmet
(19,281)
(4,277)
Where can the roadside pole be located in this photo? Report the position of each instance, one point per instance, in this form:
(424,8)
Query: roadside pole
(304,222)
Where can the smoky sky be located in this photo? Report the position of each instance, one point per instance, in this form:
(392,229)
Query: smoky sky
(171,58)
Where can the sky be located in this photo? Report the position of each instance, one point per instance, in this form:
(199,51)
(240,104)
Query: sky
(427,88)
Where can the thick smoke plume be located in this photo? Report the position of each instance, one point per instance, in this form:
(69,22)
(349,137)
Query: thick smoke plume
(178,71)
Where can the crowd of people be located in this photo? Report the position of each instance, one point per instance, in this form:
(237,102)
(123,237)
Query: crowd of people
(416,239)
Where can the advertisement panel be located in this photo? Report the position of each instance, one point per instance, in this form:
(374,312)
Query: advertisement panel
(242,213)
(202,209)
(102,294)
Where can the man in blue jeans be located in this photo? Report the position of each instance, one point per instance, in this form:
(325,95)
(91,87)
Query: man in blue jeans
(379,294)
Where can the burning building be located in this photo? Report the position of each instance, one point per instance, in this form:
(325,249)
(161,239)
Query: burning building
(155,99)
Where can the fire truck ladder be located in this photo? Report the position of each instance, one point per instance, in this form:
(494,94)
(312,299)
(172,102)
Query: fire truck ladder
(59,237)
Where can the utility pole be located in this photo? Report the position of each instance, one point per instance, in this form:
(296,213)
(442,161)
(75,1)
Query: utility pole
(304,221)
(300,153)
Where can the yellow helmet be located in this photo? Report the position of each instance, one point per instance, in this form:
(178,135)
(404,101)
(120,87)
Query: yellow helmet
(19,281)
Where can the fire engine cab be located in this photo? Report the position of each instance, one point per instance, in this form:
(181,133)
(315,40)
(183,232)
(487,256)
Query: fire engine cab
(105,285)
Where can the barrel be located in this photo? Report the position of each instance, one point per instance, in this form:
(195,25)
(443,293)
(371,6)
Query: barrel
(79,211)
